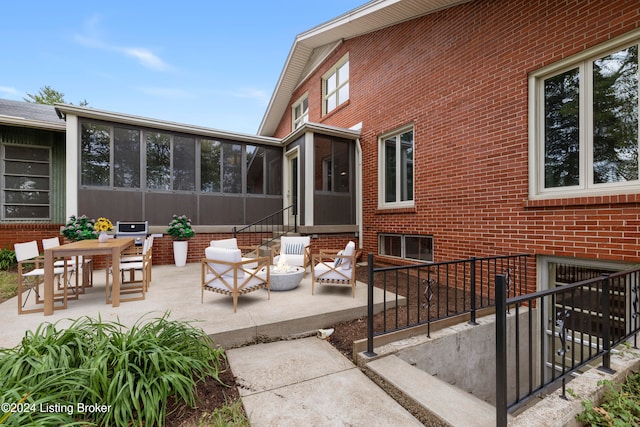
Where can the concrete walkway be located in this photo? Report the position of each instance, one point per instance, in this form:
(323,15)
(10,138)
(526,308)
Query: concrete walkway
(307,382)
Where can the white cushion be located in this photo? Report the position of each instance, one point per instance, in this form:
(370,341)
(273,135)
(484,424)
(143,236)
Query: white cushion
(231,243)
(348,251)
(226,255)
(324,272)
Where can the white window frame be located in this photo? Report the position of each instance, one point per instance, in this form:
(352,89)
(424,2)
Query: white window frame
(586,187)
(382,203)
(298,120)
(403,245)
(341,82)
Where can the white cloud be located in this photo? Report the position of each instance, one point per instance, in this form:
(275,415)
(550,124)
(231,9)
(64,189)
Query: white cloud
(9,92)
(144,56)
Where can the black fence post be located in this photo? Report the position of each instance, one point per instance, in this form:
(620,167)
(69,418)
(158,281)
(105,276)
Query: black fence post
(472,320)
(606,326)
(235,232)
(369,352)
(501,350)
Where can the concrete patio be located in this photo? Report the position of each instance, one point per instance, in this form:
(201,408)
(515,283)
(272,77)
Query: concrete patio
(177,290)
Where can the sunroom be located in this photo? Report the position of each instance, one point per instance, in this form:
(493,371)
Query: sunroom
(129,168)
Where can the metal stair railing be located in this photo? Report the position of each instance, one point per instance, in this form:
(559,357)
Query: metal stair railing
(268,229)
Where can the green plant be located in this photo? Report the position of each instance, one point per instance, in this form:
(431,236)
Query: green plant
(621,405)
(79,228)
(7,259)
(180,228)
(231,415)
(130,372)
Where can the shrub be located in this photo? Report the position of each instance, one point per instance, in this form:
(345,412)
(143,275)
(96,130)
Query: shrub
(621,405)
(180,228)
(79,228)
(7,259)
(132,371)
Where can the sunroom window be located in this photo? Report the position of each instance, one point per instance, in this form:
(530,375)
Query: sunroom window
(586,125)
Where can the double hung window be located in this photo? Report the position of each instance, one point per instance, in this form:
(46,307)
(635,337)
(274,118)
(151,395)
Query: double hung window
(396,169)
(300,112)
(335,86)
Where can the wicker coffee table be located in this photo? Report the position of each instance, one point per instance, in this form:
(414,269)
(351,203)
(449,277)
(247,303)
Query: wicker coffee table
(285,281)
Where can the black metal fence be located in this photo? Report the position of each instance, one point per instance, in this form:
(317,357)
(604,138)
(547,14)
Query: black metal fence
(544,338)
(424,293)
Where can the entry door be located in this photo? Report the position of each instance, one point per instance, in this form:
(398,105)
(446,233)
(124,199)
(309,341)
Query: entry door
(292,189)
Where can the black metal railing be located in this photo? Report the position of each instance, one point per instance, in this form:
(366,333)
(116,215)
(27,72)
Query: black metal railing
(270,228)
(557,332)
(424,293)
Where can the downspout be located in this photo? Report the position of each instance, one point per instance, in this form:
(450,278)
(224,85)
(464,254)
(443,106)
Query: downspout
(359,191)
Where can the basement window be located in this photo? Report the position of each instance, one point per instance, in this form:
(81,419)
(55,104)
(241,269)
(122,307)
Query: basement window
(406,246)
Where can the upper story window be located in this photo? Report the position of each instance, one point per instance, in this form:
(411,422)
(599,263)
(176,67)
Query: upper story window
(396,169)
(335,85)
(26,182)
(584,139)
(300,112)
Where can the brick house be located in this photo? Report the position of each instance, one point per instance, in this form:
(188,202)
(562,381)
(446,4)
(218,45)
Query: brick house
(423,129)
(487,127)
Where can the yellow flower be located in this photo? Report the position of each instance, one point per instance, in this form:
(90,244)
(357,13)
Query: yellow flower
(103,224)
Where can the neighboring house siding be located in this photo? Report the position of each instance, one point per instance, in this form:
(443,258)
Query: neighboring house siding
(460,77)
(44,138)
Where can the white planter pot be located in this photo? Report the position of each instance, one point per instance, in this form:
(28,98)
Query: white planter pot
(180,252)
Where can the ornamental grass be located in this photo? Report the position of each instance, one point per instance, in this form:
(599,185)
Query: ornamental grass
(53,376)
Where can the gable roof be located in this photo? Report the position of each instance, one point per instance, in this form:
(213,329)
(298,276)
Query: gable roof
(312,47)
(29,114)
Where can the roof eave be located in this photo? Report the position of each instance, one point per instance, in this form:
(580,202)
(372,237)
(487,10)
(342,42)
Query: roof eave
(37,124)
(339,132)
(372,16)
(92,113)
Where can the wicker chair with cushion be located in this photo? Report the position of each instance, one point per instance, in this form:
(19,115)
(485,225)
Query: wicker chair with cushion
(335,267)
(224,272)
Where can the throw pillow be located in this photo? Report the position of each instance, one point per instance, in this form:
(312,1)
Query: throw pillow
(294,248)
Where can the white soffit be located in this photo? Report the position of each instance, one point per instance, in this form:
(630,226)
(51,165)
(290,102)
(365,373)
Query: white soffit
(372,16)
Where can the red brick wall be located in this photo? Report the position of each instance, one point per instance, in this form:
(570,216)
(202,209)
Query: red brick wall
(460,76)
(162,247)
(18,233)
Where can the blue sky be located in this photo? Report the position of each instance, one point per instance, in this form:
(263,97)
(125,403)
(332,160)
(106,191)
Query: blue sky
(208,63)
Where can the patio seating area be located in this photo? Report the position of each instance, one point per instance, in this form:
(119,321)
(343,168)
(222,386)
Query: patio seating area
(178,290)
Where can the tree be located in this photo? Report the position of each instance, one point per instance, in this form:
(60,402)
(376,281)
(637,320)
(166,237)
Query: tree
(48,95)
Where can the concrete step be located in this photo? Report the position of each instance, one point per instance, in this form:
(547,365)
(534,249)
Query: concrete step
(444,403)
